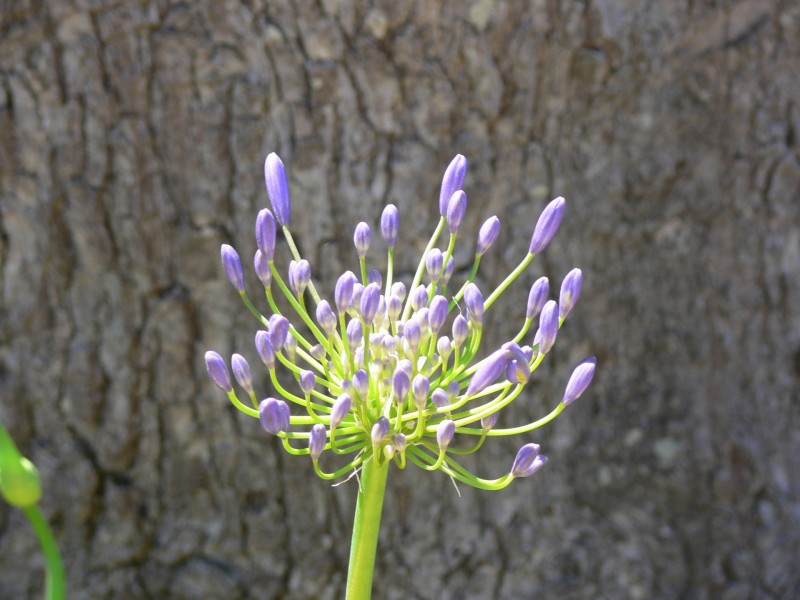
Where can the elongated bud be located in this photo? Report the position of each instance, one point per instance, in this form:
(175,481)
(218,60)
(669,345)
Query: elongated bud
(355,302)
(460,331)
(419,297)
(487,235)
(241,372)
(439,398)
(399,290)
(489,369)
(400,385)
(570,292)
(453,180)
(274,415)
(524,460)
(20,484)
(456,207)
(579,380)
(361,383)
(340,409)
(265,350)
(444,347)
(380,430)
(326,318)
(233,266)
(453,389)
(277,187)
(406,366)
(413,334)
(316,441)
(355,333)
(343,294)
(420,388)
(370,299)
(362,238)
(518,371)
(307,381)
(317,352)
(265,233)
(399,442)
(394,307)
(548,326)
(390,225)
(474,302)
(374,276)
(278,330)
(290,346)
(299,276)
(218,371)
(447,273)
(262,269)
(489,421)
(547,225)
(433,265)
(537,297)
(445,433)
(437,313)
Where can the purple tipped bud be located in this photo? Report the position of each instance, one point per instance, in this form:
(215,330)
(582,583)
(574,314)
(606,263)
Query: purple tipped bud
(453,180)
(361,383)
(317,352)
(340,409)
(399,442)
(277,187)
(343,295)
(278,330)
(370,299)
(262,269)
(265,350)
(419,297)
(579,380)
(547,225)
(527,352)
(233,267)
(307,381)
(518,372)
(548,326)
(390,221)
(487,235)
(274,415)
(513,351)
(413,334)
(290,346)
(456,207)
(489,369)
(453,389)
(420,388)
(537,297)
(524,460)
(355,333)
(316,441)
(400,385)
(474,302)
(362,238)
(374,276)
(379,431)
(218,371)
(445,433)
(460,331)
(326,318)
(444,347)
(399,290)
(299,276)
(355,303)
(406,366)
(394,307)
(570,292)
(433,265)
(265,233)
(489,421)
(439,398)
(448,271)
(241,372)
(437,313)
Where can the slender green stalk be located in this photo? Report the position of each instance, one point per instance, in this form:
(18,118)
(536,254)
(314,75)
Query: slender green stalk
(366,525)
(55,588)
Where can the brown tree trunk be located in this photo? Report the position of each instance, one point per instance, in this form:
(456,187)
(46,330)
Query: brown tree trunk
(132,136)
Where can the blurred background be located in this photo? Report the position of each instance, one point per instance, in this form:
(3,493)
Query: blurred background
(132,139)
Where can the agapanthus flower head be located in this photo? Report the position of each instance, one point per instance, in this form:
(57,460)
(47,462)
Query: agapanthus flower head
(402,375)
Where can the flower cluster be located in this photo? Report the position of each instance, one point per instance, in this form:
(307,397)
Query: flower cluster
(388,372)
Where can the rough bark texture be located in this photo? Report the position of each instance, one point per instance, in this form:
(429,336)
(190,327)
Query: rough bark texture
(131,141)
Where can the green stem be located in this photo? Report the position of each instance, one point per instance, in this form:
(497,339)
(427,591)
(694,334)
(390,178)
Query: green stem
(366,525)
(55,588)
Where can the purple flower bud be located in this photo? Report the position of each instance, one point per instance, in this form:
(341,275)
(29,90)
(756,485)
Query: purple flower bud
(547,225)
(265,233)
(340,409)
(362,238)
(518,372)
(326,318)
(374,276)
(489,369)
(444,348)
(489,421)
(474,302)
(537,297)
(420,388)
(299,276)
(316,441)
(548,326)
(274,415)
(290,346)
(317,352)
(453,389)
(262,269)
(513,351)
(406,366)
(437,313)
(361,383)
(439,398)
(460,331)
(400,385)
(307,381)
(343,295)
(233,267)
(419,297)
(487,235)
(527,352)
(570,292)
(277,187)
(447,273)
(537,464)
(453,180)
(355,303)
(399,290)
(265,349)
(278,330)
(241,372)
(579,380)
(445,433)
(390,225)
(370,299)
(394,307)
(379,431)
(433,265)
(355,333)
(456,207)
(218,371)
(524,459)
(413,334)
(399,442)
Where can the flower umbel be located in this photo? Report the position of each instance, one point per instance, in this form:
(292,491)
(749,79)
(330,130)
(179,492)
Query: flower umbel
(387,373)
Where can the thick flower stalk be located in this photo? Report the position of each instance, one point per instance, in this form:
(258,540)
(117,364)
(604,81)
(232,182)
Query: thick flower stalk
(387,372)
